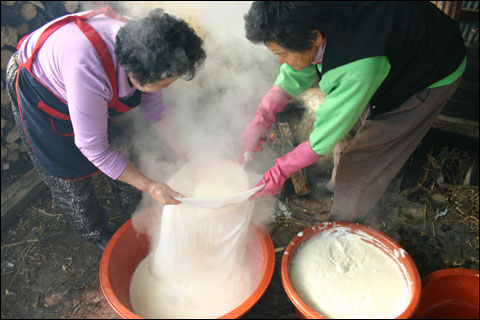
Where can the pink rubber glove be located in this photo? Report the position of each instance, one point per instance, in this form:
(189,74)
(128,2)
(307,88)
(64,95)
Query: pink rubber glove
(273,102)
(300,157)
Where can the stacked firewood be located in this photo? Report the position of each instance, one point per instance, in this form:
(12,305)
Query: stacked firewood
(19,18)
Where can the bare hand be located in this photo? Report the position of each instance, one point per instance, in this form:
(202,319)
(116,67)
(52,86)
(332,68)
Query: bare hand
(163,194)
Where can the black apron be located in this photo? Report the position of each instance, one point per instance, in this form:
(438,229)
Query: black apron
(45,117)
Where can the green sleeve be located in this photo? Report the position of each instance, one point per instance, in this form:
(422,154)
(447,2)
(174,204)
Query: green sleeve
(295,82)
(348,89)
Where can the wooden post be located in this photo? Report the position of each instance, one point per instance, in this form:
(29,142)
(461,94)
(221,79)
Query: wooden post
(17,197)
(299,179)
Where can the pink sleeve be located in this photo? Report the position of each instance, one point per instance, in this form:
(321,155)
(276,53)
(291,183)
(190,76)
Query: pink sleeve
(87,101)
(153,106)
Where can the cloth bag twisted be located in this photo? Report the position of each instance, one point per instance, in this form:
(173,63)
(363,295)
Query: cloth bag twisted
(200,252)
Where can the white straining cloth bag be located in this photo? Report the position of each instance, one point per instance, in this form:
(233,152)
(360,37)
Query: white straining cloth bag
(200,252)
(229,180)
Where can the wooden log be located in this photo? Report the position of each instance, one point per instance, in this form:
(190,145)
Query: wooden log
(17,197)
(22,29)
(38,4)
(11,15)
(55,9)
(5,56)
(464,127)
(71,6)
(38,21)
(469,15)
(13,156)
(9,36)
(12,147)
(299,179)
(22,148)
(460,186)
(12,135)
(28,11)
(4,152)
(5,98)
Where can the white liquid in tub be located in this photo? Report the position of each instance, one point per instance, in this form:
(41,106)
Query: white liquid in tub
(151,298)
(339,275)
(200,263)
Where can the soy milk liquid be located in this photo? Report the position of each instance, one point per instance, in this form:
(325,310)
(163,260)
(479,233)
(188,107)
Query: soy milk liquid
(220,179)
(216,180)
(198,269)
(339,275)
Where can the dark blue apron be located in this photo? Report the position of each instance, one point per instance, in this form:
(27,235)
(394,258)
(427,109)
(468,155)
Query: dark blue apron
(45,116)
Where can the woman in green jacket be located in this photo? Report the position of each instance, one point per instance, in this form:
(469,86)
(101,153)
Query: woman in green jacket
(387,69)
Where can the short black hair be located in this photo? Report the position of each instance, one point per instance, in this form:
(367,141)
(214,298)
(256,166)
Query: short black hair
(290,24)
(157,47)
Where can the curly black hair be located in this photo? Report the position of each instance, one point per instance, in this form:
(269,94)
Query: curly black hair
(290,24)
(157,47)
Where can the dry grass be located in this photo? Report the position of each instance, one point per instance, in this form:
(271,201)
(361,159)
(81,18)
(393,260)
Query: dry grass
(452,165)
(465,201)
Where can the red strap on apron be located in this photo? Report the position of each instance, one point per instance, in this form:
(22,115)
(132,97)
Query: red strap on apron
(102,52)
(96,41)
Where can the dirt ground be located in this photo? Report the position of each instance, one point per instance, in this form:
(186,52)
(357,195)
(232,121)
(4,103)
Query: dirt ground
(49,271)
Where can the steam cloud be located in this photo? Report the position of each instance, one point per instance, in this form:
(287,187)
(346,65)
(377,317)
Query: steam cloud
(211,110)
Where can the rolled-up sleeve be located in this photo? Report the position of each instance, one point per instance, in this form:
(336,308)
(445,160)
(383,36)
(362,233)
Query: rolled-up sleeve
(88,96)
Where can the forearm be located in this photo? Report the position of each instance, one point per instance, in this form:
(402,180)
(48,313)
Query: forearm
(134,177)
(159,191)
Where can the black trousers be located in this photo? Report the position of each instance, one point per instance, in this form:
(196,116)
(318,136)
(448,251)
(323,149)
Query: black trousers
(76,200)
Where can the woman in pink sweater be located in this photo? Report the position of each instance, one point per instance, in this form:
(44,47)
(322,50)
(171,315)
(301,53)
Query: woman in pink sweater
(71,79)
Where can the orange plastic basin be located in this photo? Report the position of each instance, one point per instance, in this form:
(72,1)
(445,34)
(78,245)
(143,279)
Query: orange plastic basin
(303,310)
(449,294)
(127,248)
